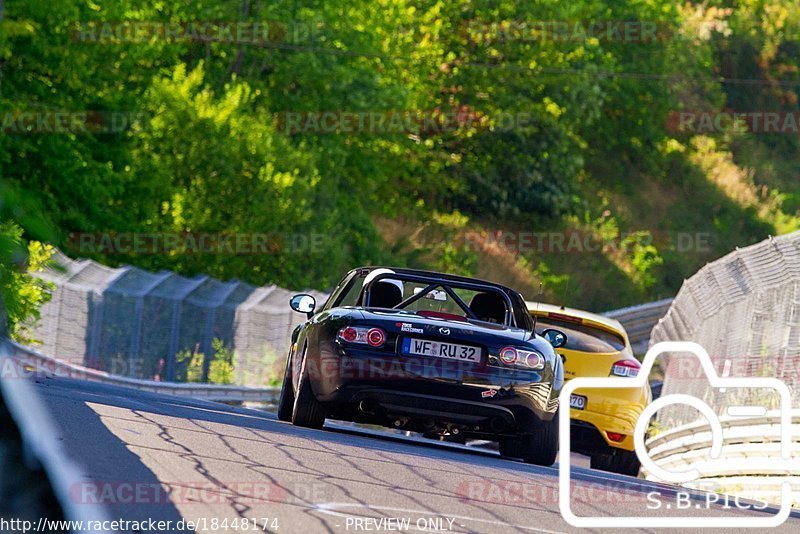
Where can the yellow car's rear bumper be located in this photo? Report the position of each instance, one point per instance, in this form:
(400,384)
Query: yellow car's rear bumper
(613,410)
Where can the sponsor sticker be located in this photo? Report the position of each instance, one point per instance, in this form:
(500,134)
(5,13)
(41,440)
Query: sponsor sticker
(408,327)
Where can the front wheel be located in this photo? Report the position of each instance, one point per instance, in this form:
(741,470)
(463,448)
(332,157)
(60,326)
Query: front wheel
(307,410)
(286,402)
(539,447)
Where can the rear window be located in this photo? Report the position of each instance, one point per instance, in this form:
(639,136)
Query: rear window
(583,337)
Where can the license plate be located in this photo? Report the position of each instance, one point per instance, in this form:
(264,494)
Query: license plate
(437,349)
(577,401)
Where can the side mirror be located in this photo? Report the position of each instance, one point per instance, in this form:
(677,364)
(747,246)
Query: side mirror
(556,338)
(303,303)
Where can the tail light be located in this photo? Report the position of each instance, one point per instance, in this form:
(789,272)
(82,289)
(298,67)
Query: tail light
(348,334)
(374,337)
(533,359)
(626,368)
(508,355)
(616,437)
(525,359)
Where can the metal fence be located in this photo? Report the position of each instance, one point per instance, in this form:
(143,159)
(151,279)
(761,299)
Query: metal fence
(129,322)
(139,324)
(744,309)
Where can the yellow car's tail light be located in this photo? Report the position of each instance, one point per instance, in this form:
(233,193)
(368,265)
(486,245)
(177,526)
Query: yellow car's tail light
(626,368)
(615,436)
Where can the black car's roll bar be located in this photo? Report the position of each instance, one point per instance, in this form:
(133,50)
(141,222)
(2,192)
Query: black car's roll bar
(434,282)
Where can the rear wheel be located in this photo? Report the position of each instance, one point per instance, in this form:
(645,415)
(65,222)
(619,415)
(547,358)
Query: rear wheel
(617,461)
(539,447)
(307,410)
(286,402)
(511,447)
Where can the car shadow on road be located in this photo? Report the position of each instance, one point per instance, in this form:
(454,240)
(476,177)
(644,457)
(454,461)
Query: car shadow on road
(115,478)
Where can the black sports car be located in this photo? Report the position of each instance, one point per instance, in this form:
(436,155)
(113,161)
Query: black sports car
(427,352)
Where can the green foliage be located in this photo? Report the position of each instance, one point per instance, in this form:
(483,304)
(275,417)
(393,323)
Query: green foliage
(221,368)
(190,365)
(644,258)
(549,134)
(21,293)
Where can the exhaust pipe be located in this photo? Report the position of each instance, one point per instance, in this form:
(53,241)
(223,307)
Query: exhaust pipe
(400,422)
(454,430)
(497,424)
(367,406)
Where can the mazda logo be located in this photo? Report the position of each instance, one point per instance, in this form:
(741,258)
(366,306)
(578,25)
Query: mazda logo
(444,331)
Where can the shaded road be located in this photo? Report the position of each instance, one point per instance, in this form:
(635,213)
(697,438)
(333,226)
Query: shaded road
(149,456)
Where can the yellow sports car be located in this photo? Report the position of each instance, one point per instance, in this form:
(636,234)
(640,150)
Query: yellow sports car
(602,419)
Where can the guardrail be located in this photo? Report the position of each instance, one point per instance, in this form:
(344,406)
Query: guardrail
(750,465)
(39,362)
(41,445)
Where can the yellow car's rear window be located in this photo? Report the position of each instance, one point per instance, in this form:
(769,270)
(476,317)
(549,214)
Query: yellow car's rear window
(583,337)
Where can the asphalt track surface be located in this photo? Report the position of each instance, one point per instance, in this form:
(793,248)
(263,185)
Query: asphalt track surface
(152,457)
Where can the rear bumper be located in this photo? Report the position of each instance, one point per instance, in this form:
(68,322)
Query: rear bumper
(607,410)
(490,398)
(479,417)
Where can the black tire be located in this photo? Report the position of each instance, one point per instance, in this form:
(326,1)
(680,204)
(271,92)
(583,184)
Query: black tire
(510,447)
(539,447)
(617,461)
(286,402)
(307,410)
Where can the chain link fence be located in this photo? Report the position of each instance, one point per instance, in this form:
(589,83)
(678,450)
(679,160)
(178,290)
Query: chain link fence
(164,326)
(744,309)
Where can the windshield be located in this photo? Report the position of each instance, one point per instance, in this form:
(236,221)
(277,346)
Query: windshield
(436,299)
